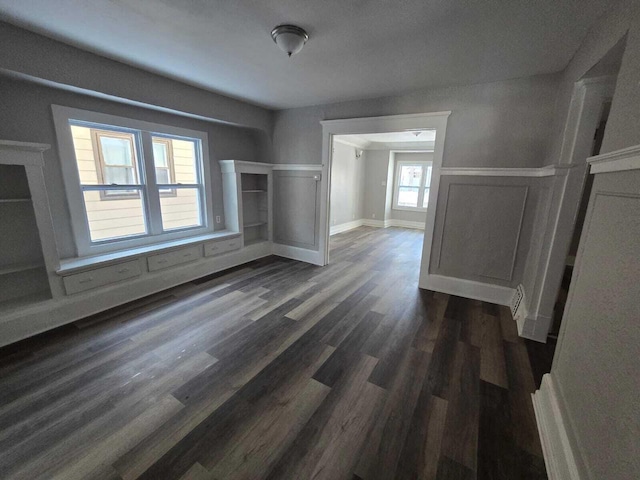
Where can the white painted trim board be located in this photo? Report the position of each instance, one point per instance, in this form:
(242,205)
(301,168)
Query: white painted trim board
(617,161)
(558,453)
(468,288)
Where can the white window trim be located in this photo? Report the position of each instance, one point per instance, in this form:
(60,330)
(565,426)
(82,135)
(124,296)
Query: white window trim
(71,177)
(396,185)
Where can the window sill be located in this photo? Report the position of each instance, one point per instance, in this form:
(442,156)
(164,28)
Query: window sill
(75,265)
(410,209)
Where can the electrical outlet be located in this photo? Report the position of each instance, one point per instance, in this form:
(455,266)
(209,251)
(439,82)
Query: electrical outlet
(353,217)
(383,183)
(373,215)
(218,219)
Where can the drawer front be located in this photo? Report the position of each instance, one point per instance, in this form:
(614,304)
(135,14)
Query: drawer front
(81,282)
(223,246)
(177,257)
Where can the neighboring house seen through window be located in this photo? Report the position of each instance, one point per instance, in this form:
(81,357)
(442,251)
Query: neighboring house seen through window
(411,187)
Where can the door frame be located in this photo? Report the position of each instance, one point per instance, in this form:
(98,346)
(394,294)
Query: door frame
(582,121)
(391,123)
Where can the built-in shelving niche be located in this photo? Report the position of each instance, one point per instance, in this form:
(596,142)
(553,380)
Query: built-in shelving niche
(248,199)
(255,207)
(23,274)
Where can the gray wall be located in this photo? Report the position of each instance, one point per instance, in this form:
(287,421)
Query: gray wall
(597,360)
(25,115)
(500,124)
(347,184)
(27,53)
(375,173)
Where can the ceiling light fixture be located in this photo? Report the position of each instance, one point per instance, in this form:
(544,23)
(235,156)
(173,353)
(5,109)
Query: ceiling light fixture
(289,38)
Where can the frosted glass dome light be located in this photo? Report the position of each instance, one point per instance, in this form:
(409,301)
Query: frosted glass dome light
(289,38)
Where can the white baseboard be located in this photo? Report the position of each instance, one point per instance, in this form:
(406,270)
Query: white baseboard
(296,253)
(392,222)
(370,222)
(558,454)
(344,227)
(468,289)
(535,327)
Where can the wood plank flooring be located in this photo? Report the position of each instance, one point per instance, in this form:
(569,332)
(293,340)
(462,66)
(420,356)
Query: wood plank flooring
(278,370)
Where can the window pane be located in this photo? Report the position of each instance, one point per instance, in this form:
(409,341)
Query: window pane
(425,200)
(115,218)
(161,154)
(410,175)
(117,151)
(162,175)
(408,196)
(119,176)
(181,157)
(181,210)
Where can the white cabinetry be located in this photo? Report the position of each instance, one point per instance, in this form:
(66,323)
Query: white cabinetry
(28,258)
(248,198)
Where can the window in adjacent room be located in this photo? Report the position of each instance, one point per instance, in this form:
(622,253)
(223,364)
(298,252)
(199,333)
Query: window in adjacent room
(131,183)
(411,188)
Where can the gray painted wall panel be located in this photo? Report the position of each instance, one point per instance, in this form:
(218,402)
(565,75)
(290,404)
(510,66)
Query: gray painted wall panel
(598,355)
(484,226)
(296,222)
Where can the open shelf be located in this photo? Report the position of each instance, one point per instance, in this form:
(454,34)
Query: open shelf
(15,303)
(14,200)
(23,272)
(20,267)
(255,241)
(254,224)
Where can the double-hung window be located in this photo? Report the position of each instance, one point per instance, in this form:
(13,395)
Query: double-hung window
(132,183)
(411,187)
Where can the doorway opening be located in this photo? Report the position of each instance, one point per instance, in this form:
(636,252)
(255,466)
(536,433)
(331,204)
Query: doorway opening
(593,96)
(569,265)
(382,172)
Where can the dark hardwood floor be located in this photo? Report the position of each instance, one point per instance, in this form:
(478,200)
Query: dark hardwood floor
(279,370)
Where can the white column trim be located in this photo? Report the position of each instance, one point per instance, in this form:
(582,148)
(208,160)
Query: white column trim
(558,453)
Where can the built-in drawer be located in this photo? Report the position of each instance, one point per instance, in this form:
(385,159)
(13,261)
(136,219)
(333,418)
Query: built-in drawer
(176,257)
(81,282)
(223,246)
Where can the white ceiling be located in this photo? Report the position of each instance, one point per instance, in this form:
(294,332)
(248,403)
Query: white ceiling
(357,49)
(394,140)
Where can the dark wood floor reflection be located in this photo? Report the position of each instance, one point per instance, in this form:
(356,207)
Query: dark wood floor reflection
(279,370)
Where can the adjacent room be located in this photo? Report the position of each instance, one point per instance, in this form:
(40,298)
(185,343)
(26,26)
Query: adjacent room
(319,240)
(380,180)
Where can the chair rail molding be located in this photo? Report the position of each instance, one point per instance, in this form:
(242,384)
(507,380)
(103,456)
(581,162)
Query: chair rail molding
(547,171)
(617,161)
